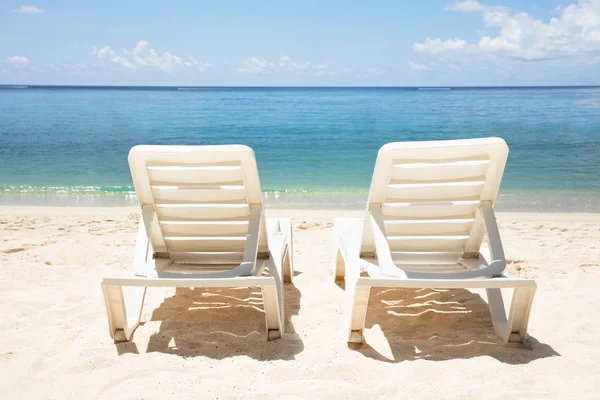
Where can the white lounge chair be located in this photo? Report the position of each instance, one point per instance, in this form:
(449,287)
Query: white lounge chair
(202,225)
(430,205)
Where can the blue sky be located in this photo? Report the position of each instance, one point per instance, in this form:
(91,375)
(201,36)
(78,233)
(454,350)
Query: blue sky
(321,43)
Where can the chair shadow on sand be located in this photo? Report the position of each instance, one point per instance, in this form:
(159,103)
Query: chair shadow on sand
(220,323)
(436,324)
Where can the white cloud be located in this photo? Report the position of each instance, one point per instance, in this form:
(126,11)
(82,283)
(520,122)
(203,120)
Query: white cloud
(418,67)
(191,62)
(323,70)
(575,31)
(287,64)
(255,65)
(470,6)
(28,10)
(18,61)
(108,54)
(466,6)
(202,67)
(143,56)
(435,46)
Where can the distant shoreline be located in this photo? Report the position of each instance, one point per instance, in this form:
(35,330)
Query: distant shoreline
(554,201)
(184,87)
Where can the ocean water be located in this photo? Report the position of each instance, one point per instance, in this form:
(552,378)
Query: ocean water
(315,147)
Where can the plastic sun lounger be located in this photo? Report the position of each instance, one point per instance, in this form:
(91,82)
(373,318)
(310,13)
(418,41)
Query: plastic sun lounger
(430,205)
(202,225)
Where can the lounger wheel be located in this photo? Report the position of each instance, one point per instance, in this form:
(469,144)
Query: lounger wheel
(274,334)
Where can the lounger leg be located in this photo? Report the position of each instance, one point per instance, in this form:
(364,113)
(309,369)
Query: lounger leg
(513,328)
(345,239)
(288,268)
(519,313)
(273,300)
(357,300)
(273,294)
(123,315)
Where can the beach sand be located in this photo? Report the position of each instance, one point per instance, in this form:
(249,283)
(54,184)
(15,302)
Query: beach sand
(203,344)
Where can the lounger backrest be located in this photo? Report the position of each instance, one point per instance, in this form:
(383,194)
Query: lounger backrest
(430,194)
(197,198)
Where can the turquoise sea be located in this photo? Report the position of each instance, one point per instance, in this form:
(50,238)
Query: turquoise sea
(316,147)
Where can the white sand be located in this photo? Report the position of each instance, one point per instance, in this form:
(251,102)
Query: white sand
(201,344)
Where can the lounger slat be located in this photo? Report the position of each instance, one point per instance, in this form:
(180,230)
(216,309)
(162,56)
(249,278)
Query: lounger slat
(469,190)
(441,158)
(438,227)
(198,268)
(200,203)
(209,228)
(433,268)
(178,163)
(196,245)
(163,194)
(426,257)
(205,236)
(202,175)
(192,212)
(197,185)
(207,219)
(431,211)
(207,257)
(423,172)
(427,243)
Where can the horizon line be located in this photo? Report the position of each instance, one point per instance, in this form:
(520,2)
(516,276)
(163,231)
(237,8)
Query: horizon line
(25,85)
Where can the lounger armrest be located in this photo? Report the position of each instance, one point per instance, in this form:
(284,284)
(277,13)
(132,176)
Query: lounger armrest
(278,242)
(348,250)
(382,247)
(498,261)
(143,251)
(249,265)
